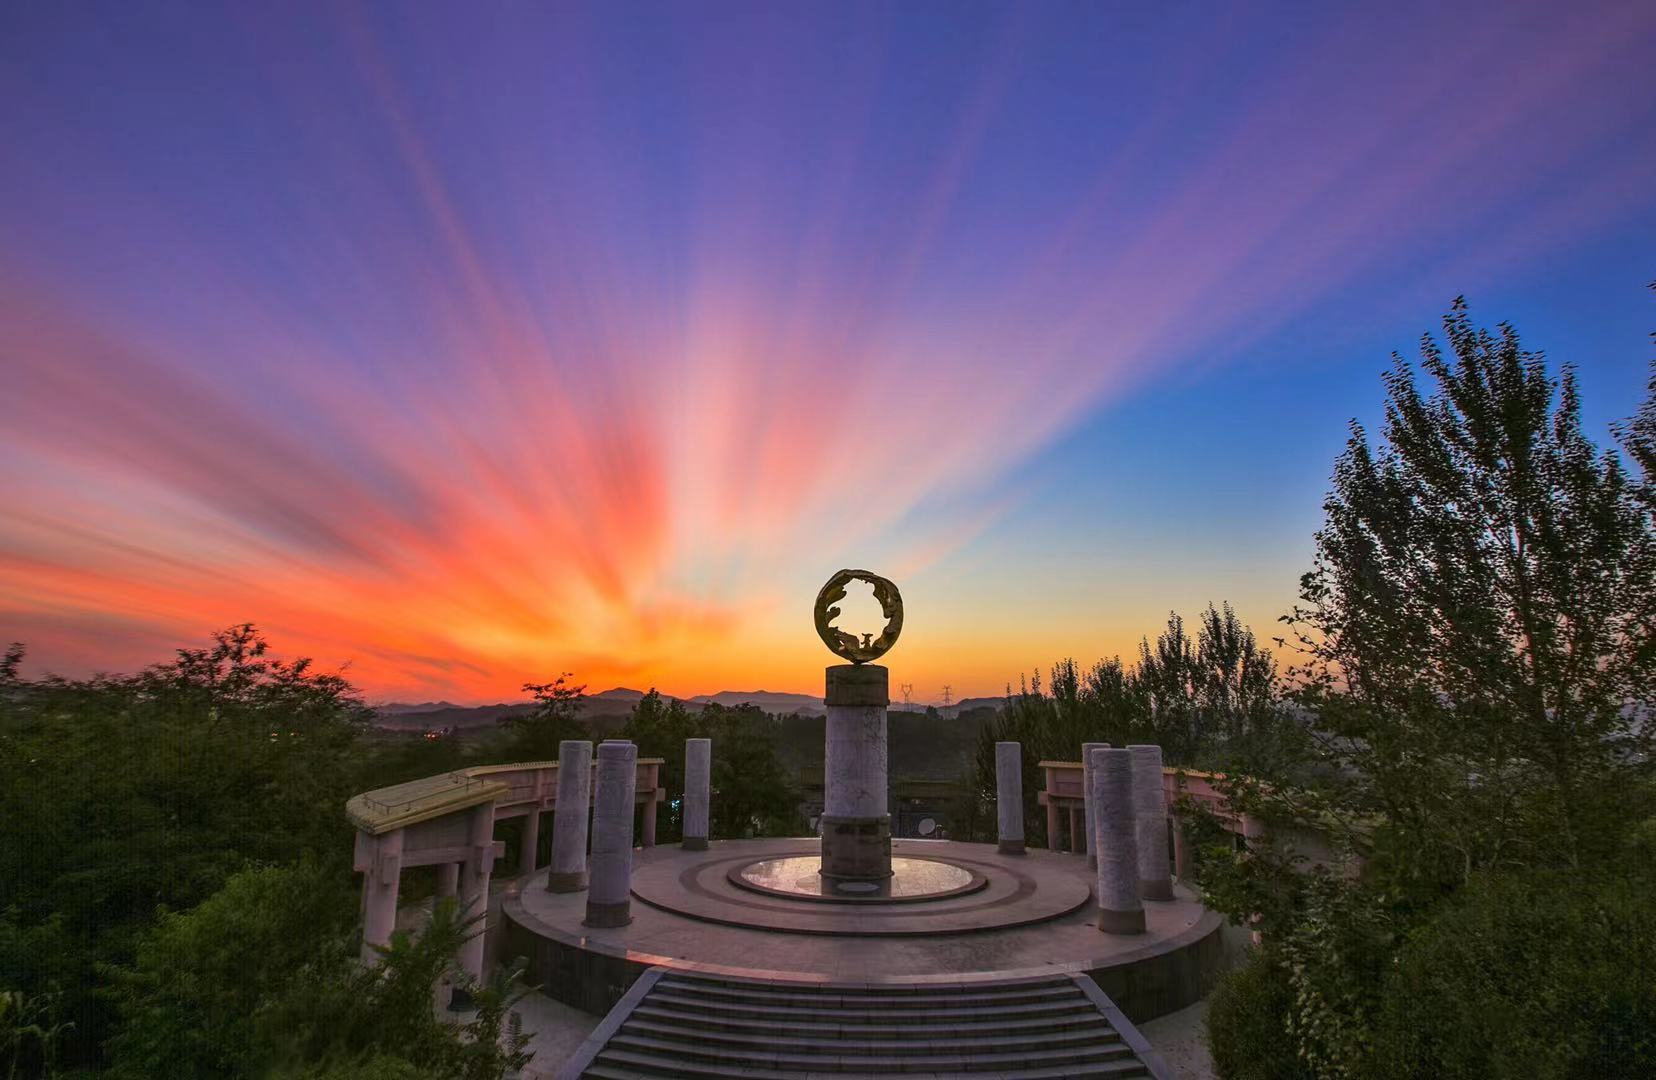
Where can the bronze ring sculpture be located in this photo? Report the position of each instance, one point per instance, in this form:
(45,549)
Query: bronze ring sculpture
(847,645)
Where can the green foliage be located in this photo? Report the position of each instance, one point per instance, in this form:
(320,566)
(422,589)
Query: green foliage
(1476,653)
(1536,975)
(555,717)
(1247,1022)
(30,1033)
(659,727)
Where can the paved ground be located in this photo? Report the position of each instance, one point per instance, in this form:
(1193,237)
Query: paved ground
(1181,1041)
(556,1030)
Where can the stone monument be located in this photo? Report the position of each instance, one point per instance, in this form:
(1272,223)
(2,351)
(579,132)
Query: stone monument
(609,894)
(568,872)
(698,782)
(856,822)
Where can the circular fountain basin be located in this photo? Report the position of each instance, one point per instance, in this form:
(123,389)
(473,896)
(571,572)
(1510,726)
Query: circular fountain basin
(799,877)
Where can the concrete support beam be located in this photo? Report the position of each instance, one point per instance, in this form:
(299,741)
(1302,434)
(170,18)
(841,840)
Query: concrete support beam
(380,882)
(1119,909)
(1184,854)
(856,820)
(1055,828)
(529,842)
(474,884)
(698,786)
(448,883)
(1009,808)
(609,896)
(1078,831)
(1091,823)
(1150,816)
(569,817)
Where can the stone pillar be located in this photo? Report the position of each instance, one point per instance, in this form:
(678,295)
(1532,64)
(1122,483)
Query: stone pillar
(1077,844)
(647,832)
(698,784)
(1150,813)
(1184,856)
(856,822)
(1119,908)
(448,883)
(379,893)
(1087,801)
(474,884)
(1009,797)
(529,843)
(569,817)
(1055,829)
(609,898)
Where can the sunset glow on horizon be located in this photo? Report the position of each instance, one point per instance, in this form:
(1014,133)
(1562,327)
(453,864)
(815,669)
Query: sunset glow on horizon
(468,348)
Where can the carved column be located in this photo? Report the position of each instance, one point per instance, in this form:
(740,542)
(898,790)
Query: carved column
(1009,808)
(569,817)
(1119,909)
(1091,824)
(698,782)
(609,896)
(856,821)
(1150,814)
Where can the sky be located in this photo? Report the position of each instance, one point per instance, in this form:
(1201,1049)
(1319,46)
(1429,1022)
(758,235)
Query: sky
(463,345)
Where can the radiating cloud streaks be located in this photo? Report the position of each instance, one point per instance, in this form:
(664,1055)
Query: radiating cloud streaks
(473,348)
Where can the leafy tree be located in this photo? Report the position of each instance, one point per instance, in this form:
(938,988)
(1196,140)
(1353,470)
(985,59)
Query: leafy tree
(751,791)
(555,717)
(1476,666)
(659,726)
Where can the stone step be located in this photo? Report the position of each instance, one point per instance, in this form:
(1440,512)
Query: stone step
(761,1043)
(851,1057)
(888,1013)
(685,978)
(1112,1070)
(1083,1016)
(768,995)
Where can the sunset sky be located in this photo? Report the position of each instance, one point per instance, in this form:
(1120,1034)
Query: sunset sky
(468,344)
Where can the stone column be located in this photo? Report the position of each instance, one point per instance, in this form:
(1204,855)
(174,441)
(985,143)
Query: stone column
(448,883)
(474,884)
(1150,812)
(609,898)
(856,822)
(379,893)
(1184,858)
(1087,801)
(1009,809)
(1055,829)
(1077,826)
(1119,908)
(698,784)
(651,779)
(529,843)
(569,817)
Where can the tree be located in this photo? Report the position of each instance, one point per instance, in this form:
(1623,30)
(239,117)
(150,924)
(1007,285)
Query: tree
(554,718)
(659,726)
(751,792)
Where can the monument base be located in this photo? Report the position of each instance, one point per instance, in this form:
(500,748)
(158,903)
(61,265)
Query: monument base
(1159,889)
(856,848)
(572,882)
(1010,847)
(617,914)
(694,843)
(1121,922)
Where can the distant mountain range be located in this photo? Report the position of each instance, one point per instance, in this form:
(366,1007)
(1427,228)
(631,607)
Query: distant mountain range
(619,701)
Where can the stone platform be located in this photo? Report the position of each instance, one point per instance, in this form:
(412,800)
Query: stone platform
(1033,916)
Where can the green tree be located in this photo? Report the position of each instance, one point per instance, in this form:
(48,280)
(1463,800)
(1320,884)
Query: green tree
(535,735)
(659,726)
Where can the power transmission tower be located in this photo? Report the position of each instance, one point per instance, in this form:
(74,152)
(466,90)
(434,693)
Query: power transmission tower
(948,698)
(907,689)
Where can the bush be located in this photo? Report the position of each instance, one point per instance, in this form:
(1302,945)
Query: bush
(1526,975)
(1247,1022)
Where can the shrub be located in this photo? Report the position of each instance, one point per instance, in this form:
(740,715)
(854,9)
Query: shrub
(1247,1022)
(1539,974)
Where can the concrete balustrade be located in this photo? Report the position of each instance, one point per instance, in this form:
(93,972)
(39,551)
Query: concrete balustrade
(568,872)
(698,785)
(1150,819)
(1119,908)
(609,892)
(1009,809)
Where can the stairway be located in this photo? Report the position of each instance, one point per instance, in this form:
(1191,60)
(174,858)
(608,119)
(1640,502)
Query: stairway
(679,1024)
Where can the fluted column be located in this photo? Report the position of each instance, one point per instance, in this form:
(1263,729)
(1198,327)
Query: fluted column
(569,817)
(698,783)
(1150,813)
(1119,908)
(1009,808)
(609,894)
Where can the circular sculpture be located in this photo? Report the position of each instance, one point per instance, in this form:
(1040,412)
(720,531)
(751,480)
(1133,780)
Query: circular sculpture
(847,645)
